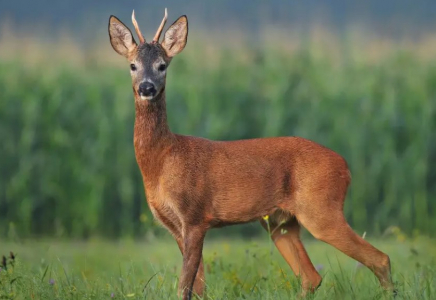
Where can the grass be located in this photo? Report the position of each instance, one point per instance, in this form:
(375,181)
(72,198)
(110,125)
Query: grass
(235,269)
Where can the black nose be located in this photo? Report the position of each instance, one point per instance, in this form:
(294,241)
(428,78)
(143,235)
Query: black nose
(147,89)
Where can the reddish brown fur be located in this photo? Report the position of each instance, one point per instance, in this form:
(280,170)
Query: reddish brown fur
(197,183)
(194,184)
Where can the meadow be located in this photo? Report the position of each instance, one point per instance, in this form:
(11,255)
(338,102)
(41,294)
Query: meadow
(72,205)
(235,269)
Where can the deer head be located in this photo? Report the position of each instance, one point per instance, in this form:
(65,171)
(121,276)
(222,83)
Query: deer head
(148,61)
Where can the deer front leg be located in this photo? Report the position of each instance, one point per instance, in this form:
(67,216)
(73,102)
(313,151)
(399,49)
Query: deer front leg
(172,223)
(192,253)
(199,279)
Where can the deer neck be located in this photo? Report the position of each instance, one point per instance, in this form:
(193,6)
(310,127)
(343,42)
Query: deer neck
(152,135)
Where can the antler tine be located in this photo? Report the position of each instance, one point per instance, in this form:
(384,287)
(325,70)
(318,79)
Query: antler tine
(138,31)
(159,30)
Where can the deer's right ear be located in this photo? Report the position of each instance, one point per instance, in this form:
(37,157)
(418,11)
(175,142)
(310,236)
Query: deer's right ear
(121,37)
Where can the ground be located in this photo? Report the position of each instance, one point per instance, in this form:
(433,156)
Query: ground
(235,269)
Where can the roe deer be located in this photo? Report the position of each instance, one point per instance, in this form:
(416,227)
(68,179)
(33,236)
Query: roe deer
(194,184)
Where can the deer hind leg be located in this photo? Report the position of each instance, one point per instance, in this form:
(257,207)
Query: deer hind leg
(286,237)
(331,227)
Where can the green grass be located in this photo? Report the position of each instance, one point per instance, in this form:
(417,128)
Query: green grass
(235,269)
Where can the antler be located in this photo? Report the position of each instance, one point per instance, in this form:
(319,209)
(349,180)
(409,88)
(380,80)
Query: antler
(138,31)
(159,30)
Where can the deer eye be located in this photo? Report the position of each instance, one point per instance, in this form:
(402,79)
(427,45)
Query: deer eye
(162,67)
(132,67)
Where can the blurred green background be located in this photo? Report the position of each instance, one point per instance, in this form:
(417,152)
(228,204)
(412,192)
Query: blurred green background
(357,78)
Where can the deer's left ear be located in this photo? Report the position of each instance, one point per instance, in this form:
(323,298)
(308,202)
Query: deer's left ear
(176,37)
(121,37)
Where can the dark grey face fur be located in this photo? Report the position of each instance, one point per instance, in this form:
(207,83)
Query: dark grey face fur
(148,61)
(148,71)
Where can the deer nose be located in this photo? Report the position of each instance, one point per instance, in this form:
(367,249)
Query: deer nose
(147,89)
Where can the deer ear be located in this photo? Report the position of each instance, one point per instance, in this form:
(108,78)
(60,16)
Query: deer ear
(176,37)
(121,37)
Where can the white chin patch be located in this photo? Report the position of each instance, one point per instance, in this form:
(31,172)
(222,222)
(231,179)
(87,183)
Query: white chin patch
(146,97)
